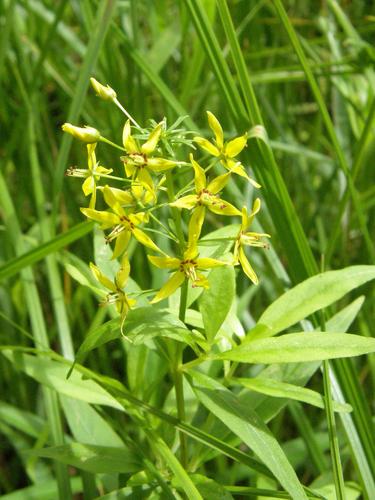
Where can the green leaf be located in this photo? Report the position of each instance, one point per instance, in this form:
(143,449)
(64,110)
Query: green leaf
(44,490)
(215,303)
(141,324)
(278,389)
(308,297)
(181,476)
(300,347)
(62,240)
(246,424)
(87,426)
(53,374)
(96,459)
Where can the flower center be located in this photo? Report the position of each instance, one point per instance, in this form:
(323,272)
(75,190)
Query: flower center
(127,223)
(205,197)
(139,160)
(188,267)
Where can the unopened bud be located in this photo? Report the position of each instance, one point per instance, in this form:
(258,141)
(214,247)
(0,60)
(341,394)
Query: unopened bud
(105,93)
(85,134)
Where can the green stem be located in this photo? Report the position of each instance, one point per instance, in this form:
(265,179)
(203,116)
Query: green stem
(175,211)
(107,141)
(178,376)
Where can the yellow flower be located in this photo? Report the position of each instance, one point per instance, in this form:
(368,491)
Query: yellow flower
(124,224)
(206,196)
(186,268)
(225,151)
(139,161)
(85,134)
(91,174)
(105,93)
(117,295)
(249,239)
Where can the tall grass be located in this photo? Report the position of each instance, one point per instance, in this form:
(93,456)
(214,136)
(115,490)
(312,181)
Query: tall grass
(299,78)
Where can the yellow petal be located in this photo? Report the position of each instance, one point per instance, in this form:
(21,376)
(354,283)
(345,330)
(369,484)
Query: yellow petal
(122,242)
(93,199)
(129,167)
(91,157)
(188,201)
(248,270)
(122,196)
(153,139)
(103,170)
(208,263)
(216,129)
(122,274)
(195,226)
(128,141)
(142,237)
(234,147)
(138,218)
(200,176)
(105,218)
(164,262)
(217,184)
(222,207)
(88,185)
(112,202)
(207,146)
(160,164)
(254,211)
(170,286)
(239,169)
(244,222)
(85,134)
(201,281)
(102,278)
(143,195)
(145,179)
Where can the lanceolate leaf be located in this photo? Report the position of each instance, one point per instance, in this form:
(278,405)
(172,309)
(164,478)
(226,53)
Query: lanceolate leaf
(96,459)
(246,424)
(309,296)
(215,303)
(300,347)
(278,389)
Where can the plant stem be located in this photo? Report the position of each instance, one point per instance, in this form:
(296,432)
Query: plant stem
(107,141)
(178,371)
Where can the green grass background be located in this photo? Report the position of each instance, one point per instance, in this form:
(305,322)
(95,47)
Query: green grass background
(304,70)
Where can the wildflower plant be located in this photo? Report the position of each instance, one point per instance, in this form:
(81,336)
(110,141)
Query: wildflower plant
(132,207)
(159,205)
(150,165)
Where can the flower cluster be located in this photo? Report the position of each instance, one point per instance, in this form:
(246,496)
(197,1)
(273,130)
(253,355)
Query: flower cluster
(149,170)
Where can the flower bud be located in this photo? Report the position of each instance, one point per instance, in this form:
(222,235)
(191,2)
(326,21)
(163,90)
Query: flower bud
(105,93)
(85,134)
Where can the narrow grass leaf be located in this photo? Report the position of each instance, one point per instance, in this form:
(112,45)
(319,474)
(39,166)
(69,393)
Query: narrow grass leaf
(95,459)
(246,424)
(29,258)
(182,477)
(308,297)
(52,374)
(300,347)
(278,389)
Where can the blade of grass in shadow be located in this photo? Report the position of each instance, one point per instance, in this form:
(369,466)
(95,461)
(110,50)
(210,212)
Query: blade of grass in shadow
(39,330)
(154,78)
(357,163)
(102,22)
(281,210)
(328,124)
(274,190)
(16,265)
